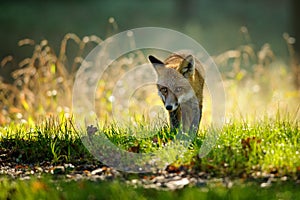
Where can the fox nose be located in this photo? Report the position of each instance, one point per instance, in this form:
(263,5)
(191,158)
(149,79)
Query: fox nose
(169,107)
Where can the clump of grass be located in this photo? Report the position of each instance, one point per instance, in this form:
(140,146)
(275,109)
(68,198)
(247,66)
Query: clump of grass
(53,140)
(42,83)
(257,82)
(270,146)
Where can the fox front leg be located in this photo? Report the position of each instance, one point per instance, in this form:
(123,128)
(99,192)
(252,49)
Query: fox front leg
(175,118)
(191,116)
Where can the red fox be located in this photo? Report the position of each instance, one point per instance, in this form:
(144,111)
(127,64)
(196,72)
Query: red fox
(180,81)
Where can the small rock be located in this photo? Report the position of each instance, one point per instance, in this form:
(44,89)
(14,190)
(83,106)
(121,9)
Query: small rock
(193,180)
(284,178)
(31,172)
(266,184)
(25,178)
(178,184)
(134,181)
(86,172)
(39,169)
(176,178)
(58,170)
(19,172)
(97,171)
(69,166)
(159,179)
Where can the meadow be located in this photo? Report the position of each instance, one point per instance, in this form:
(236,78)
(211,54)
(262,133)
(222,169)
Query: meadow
(257,154)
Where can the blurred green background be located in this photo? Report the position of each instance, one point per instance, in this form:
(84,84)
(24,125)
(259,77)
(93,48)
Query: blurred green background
(215,24)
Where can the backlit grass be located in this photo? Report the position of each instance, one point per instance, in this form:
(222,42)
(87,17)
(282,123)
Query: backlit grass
(241,148)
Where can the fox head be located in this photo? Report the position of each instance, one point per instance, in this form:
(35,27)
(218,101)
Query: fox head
(173,79)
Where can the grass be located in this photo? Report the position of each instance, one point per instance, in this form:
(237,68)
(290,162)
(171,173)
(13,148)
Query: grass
(52,140)
(245,153)
(46,189)
(267,146)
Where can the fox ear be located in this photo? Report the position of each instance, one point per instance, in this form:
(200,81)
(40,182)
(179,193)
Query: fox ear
(155,62)
(187,66)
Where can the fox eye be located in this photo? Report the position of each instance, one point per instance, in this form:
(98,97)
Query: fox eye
(178,89)
(163,90)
